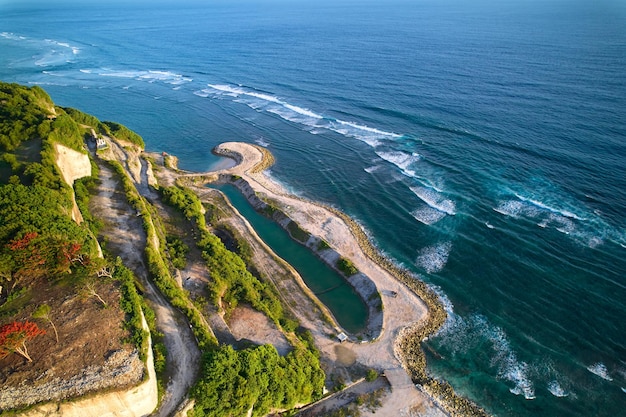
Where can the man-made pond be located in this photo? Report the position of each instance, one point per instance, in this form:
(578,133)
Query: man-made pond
(329,286)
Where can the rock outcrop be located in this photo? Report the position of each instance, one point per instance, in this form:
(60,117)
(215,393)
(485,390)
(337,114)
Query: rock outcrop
(138,401)
(73,165)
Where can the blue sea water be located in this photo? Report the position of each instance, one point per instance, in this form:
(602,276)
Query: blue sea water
(482,145)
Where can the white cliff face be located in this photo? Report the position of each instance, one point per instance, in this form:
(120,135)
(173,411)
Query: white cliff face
(73,165)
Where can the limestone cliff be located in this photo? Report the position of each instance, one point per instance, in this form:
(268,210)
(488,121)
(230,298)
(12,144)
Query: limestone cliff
(73,165)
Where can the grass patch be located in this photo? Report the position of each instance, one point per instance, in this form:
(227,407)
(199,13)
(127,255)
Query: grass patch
(322,245)
(297,232)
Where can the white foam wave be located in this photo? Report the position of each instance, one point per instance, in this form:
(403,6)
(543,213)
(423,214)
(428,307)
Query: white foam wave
(402,160)
(447,304)
(371,169)
(368,129)
(298,114)
(541,205)
(201,93)
(435,200)
(434,258)
(58,53)
(12,36)
(465,334)
(556,389)
(600,370)
(262,142)
(150,76)
(510,208)
(623,389)
(489,225)
(427,215)
(509,367)
(46,83)
(589,231)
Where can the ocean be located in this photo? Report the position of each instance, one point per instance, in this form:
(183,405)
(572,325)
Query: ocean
(481,145)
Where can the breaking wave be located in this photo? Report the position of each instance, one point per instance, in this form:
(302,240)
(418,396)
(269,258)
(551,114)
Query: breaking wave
(305,117)
(434,258)
(435,200)
(556,389)
(402,160)
(600,370)
(467,334)
(150,76)
(587,228)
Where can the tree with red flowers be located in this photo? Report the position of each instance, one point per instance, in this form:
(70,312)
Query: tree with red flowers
(13,338)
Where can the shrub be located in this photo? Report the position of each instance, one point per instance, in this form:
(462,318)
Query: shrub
(346,267)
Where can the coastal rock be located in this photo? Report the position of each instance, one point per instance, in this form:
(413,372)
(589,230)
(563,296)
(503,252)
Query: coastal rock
(120,369)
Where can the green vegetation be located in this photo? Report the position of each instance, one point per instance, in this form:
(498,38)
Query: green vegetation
(234,382)
(22,111)
(322,245)
(371,375)
(131,304)
(85,119)
(124,133)
(82,190)
(187,202)
(37,236)
(43,312)
(346,267)
(297,233)
(257,378)
(66,131)
(39,242)
(177,250)
(231,282)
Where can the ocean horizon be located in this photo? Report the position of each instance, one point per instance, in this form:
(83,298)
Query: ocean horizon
(481,145)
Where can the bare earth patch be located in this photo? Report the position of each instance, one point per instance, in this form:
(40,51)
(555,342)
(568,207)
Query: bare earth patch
(247,323)
(90,349)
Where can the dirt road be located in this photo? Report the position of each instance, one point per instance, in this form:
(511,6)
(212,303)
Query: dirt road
(125,237)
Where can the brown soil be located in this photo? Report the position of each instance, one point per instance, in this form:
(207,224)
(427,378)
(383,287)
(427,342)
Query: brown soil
(88,335)
(248,324)
(345,356)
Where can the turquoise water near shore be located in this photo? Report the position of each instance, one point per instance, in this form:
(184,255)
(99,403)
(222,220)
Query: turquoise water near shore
(482,145)
(332,289)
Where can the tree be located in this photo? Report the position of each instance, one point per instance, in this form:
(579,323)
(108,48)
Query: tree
(88,289)
(43,312)
(13,338)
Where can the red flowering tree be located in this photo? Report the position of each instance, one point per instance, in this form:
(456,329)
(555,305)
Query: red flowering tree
(13,338)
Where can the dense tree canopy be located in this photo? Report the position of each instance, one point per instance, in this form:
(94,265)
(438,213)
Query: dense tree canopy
(22,110)
(234,382)
(37,236)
